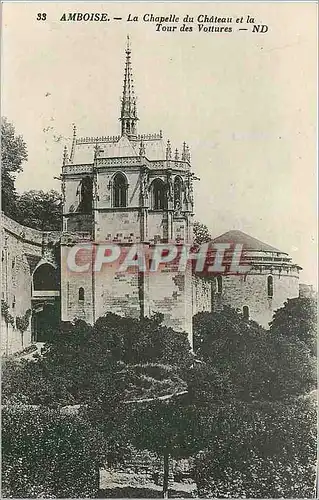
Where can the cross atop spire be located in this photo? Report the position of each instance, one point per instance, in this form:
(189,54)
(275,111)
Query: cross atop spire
(128,104)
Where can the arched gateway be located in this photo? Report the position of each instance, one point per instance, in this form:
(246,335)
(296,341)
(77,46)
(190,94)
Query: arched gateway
(45,301)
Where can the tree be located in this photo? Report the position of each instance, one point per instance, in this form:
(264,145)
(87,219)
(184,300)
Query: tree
(241,404)
(111,369)
(249,388)
(13,154)
(118,358)
(201,233)
(297,319)
(244,361)
(154,361)
(168,428)
(35,209)
(40,210)
(264,450)
(48,454)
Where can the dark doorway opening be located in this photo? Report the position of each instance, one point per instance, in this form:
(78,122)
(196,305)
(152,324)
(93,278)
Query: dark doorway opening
(45,321)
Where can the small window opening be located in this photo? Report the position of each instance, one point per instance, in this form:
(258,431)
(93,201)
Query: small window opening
(270,287)
(81,294)
(246,312)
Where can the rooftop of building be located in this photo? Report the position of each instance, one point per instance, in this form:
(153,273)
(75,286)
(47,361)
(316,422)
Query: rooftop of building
(153,146)
(84,150)
(249,242)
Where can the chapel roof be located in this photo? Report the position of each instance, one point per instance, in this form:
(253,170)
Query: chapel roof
(129,143)
(120,147)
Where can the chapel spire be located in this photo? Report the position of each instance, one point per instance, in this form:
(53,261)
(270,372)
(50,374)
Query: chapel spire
(128,104)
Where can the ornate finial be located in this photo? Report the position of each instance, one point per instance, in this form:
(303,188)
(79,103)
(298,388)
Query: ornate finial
(168,151)
(170,186)
(161,134)
(65,155)
(176,154)
(142,148)
(184,151)
(73,144)
(188,154)
(144,184)
(128,103)
(97,150)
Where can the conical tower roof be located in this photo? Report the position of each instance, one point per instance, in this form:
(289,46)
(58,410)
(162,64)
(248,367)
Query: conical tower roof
(248,242)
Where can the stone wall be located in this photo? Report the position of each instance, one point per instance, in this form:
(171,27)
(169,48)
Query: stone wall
(22,250)
(119,226)
(170,293)
(72,305)
(128,293)
(202,295)
(117,292)
(251,290)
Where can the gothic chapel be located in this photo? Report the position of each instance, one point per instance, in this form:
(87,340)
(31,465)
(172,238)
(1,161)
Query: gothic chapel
(130,188)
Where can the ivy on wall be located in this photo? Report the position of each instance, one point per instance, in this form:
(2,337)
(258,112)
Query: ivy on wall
(9,319)
(22,322)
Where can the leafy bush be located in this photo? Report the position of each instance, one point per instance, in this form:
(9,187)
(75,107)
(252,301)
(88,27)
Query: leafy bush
(30,382)
(13,154)
(201,233)
(22,322)
(249,388)
(116,358)
(40,210)
(49,454)
(265,450)
(297,319)
(9,319)
(242,360)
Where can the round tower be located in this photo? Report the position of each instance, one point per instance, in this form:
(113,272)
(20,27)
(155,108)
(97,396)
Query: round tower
(272,278)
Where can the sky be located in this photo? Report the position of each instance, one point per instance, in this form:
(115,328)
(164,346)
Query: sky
(246,103)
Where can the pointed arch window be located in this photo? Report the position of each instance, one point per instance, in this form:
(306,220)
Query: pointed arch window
(159,195)
(81,294)
(270,287)
(178,183)
(119,191)
(246,312)
(219,284)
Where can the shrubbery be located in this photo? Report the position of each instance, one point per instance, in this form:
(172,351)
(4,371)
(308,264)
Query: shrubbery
(266,450)
(241,405)
(49,454)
